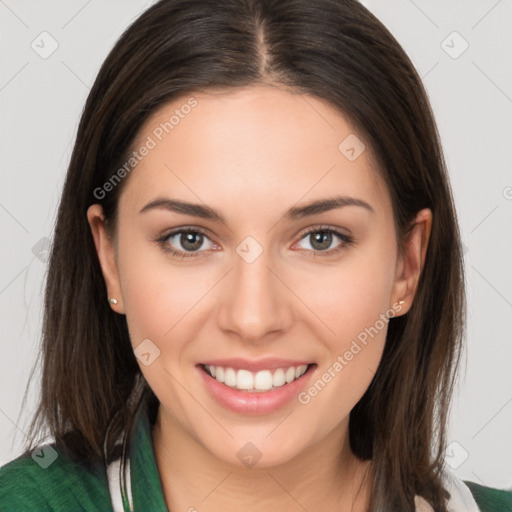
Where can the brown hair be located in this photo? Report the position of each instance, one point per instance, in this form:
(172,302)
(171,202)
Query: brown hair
(335,50)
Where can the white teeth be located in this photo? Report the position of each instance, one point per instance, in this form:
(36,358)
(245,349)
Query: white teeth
(290,374)
(263,380)
(300,370)
(230,377)
(244,380)
(278,379)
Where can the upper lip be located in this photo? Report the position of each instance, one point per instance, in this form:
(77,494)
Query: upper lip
(272,363)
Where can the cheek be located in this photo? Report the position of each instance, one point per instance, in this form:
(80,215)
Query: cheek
(156,294)
(162,300)
(159,300)
(351,296)
(353,302)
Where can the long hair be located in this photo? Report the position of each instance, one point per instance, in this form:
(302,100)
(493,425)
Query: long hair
(335,50)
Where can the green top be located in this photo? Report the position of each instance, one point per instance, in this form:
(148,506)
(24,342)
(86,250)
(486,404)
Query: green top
(49,481)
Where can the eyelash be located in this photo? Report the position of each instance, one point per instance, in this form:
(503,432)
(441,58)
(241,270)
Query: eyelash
(346,239)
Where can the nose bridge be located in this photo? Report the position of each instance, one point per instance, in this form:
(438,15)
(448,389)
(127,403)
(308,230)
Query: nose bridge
(254,303)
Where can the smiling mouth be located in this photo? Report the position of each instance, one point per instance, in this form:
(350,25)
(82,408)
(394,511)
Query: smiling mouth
(256,382)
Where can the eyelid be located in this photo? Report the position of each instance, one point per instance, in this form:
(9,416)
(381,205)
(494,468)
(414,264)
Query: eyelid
(324,227)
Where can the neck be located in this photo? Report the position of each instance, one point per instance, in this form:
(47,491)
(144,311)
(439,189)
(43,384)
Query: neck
(193,479)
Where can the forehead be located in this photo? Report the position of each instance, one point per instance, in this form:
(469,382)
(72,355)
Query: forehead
(253,146)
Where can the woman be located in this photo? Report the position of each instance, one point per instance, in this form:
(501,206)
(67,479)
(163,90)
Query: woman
(255,293)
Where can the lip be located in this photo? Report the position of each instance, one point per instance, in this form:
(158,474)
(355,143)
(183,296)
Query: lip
(254,403)
(255,365)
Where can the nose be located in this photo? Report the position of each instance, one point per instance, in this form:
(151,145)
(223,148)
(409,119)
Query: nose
(255,303)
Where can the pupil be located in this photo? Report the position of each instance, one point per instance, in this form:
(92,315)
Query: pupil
(188,241)
(323,238)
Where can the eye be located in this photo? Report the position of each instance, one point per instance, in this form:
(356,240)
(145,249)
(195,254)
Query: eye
(321,239)
(188,242)
(184,242)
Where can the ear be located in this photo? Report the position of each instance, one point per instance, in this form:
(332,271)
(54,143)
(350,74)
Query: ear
(411,261)
(105,249)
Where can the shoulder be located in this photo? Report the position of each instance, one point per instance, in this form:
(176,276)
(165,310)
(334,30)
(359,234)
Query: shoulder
(490,499)
(47,480)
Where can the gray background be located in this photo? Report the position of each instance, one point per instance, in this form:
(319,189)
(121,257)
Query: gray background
(471,92)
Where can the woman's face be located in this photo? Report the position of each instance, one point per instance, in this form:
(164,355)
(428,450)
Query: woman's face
(254,292)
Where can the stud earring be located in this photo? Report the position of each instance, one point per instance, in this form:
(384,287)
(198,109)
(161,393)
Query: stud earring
(113,301)
(400,302)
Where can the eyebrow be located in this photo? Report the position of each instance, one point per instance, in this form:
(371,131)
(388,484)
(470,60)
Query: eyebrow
(296,212)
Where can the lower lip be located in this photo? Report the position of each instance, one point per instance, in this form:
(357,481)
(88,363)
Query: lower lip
(258,402)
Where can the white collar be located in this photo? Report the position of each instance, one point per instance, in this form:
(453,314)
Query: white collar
(461,499)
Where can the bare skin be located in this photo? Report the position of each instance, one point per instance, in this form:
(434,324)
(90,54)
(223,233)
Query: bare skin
(252,154)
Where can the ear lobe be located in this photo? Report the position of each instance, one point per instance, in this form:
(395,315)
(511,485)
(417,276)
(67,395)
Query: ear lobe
(412,259)
(105,251)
